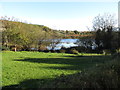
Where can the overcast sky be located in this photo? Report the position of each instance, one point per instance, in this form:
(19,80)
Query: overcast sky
(58,15)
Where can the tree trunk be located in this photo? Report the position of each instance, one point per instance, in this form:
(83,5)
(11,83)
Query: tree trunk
(15,48)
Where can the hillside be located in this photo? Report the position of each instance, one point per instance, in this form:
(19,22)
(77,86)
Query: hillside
(62,33)
(23,36)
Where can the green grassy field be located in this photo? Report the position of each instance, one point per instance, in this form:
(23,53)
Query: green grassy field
(18,67)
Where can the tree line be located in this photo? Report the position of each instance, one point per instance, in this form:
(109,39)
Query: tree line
(106,36)
(23,36)
(18,35)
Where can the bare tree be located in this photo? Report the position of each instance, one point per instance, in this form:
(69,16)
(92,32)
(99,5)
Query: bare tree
(102,22)
(103,25)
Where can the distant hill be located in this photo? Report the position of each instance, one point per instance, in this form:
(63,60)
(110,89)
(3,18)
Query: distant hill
(62,33)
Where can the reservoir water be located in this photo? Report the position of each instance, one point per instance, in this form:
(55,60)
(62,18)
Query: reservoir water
(69,43)
(65,43)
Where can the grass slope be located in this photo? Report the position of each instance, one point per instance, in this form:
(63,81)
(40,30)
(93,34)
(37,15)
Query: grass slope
(105,76)
(31,67)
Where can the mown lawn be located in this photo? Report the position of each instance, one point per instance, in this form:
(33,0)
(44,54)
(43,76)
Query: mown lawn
(18,67)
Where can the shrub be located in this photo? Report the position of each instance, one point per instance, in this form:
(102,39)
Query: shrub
(74,51)
(106,52)
(5,48)
(62,51)
(116,55)
(81,49)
